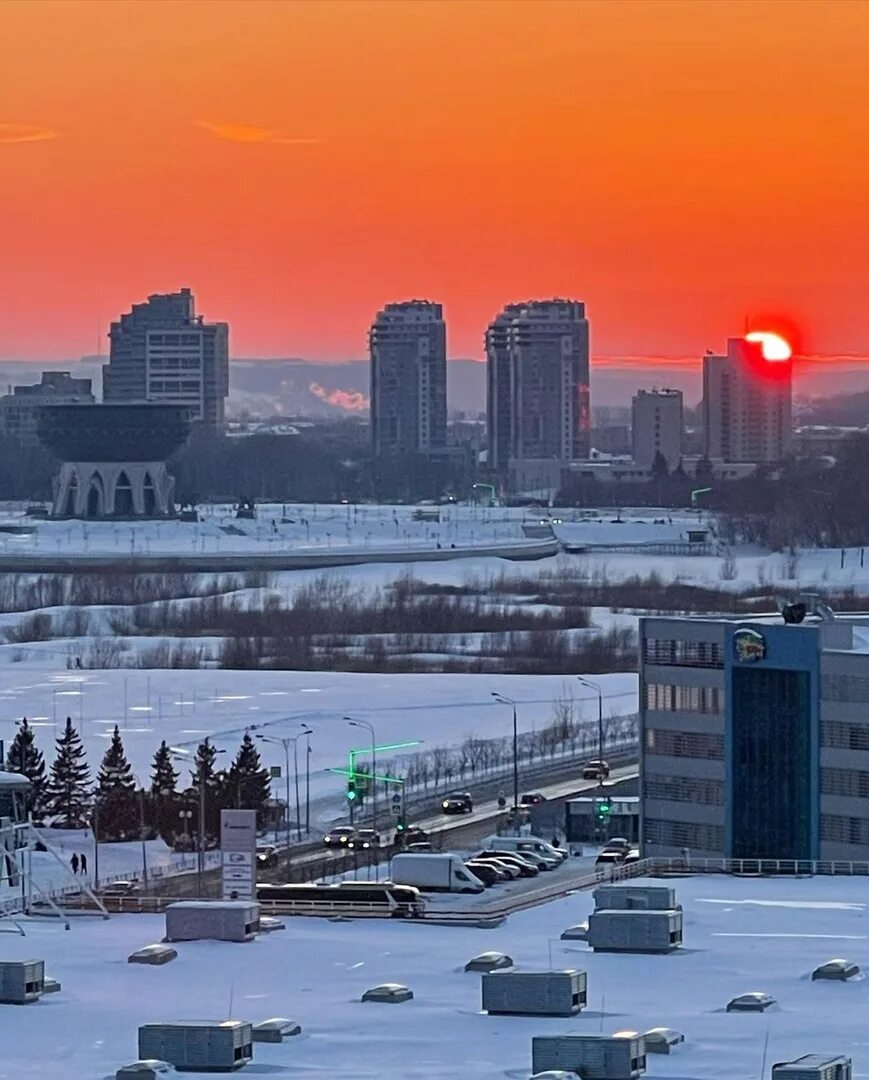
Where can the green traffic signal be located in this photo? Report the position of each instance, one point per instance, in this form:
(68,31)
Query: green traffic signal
(351,790)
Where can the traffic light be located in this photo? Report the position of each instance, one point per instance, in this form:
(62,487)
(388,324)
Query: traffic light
(400,826)
(351,790)
(603,810)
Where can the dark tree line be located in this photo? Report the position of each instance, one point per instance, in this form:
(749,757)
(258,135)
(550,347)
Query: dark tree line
(117,806)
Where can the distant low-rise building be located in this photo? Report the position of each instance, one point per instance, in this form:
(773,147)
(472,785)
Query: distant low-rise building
(20,409)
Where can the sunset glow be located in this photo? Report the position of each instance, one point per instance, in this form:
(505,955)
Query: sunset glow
(300,164)
(774,346)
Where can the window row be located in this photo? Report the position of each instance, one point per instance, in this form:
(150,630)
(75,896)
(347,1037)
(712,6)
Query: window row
(685,834)
(845,782)
(669,698)
(844,688)
(844,830)
(687,744)
(675,652)
(684,789)
(844,736)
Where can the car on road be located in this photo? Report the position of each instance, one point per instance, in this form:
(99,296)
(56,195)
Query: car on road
(266,855)
(596,770)
(458,803)
(532,798)
(121,888)
(363,839)
(618,843)
(413,834)
(339,837)
(610,858)
(632,856)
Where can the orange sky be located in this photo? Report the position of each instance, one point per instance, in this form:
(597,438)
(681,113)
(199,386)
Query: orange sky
(675,165)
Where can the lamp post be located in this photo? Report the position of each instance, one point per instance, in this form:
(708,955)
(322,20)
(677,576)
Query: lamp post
(353,722)
(285,741)
(596,688)
(504,700)
(184,755)
(307,783)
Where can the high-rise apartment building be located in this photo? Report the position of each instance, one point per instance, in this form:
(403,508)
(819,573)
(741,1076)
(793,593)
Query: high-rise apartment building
(162,351)
(408,349)
(537,382)
(656,427)
(746,405)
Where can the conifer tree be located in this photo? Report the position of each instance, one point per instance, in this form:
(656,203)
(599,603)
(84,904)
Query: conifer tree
(26,758)
(204,769)
(116,791)
(164,793)
(248,780)
(69,783)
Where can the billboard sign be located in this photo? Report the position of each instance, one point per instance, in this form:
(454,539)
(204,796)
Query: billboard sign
(749,646)
(238,854)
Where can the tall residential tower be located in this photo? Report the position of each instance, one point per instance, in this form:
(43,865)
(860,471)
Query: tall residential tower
(408,349)
(656,427)
(746,405)
(162,351)
(538,401)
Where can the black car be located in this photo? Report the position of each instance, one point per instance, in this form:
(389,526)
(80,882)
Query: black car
(339,837)
(532,798)
(266,855)
(412,835)
(596,770)
(458,803)
(363,839)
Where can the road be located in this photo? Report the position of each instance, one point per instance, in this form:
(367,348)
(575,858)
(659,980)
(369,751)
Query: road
(456,833)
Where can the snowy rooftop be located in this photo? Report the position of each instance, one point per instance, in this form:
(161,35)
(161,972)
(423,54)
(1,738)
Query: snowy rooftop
(740,935)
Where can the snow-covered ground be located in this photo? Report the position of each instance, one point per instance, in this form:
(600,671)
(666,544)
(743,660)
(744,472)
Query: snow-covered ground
(740,935)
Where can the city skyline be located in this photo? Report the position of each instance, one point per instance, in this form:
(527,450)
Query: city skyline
(277,155)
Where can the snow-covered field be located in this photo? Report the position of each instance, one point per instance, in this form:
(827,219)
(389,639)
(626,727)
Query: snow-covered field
(740,935)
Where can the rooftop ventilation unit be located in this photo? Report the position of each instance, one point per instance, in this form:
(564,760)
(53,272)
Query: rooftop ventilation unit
(156,955)
(275,1030)
(635,931)
(489,961)
(593,1057)
(198,1045)
(813,1067)
(534,993)
(146,1070)
(755,1001)
(388,993)
(661,1040)
(635,898)
(203,920)
(21,981)
(836,970)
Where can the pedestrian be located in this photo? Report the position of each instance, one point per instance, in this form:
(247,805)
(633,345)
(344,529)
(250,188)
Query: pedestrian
(73,862)
(83,863)
(555,840)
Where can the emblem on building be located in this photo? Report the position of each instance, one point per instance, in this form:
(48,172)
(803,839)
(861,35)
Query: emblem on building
(748,646)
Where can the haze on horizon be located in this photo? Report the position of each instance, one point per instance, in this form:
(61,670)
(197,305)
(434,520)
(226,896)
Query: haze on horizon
(681,168)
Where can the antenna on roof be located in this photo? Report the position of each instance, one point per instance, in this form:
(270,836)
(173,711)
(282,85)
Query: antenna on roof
(765,1048)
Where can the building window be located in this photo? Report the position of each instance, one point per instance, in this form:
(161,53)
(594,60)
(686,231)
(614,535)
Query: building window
(854,782)
(844,830)
(684,834)
(837,733)
(683,789)
(686,744)
(844,688)
(665,697)
(677,653)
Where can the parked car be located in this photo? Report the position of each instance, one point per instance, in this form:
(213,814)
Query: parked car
(121,888)
(532,798)
(522,844)
(595,770)
(266,855)
(510,870)
(487,873)
(618,843)
(339,837)
(610,858)
(363,839)
(458,803)
(526,868)
(502,872)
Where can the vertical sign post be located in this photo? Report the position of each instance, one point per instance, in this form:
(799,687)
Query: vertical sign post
(238,854)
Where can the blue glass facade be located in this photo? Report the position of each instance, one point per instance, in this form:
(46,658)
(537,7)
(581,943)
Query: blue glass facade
(772,742)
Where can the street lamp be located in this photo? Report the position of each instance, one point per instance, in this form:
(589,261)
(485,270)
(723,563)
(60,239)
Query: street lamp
(285,741)
(181,754)
(504,700)
(367,724)
(596,688)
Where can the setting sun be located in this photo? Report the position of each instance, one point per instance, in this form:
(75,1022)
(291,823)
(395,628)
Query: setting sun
(774,346)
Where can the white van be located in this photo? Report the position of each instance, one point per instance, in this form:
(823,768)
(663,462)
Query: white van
(527,843)
(435,873)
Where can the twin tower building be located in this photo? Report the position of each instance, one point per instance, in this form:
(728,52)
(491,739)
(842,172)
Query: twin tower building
(537,383)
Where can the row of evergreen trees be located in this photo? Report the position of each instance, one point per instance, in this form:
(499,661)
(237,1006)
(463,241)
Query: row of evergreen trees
(66,796)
